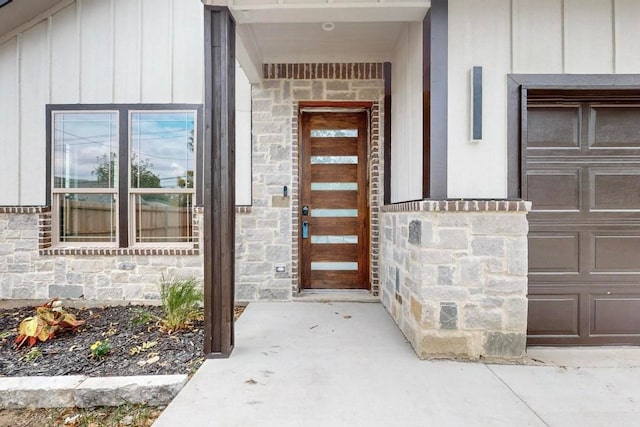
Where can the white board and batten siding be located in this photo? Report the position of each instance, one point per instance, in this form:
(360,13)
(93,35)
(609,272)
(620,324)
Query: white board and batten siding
(90,52)
(523,37)
(406,110)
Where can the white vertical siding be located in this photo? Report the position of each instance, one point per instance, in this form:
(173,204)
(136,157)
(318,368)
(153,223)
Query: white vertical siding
(470,170)
(627,36)
(406,127)
(526,37)
(127,54)
(64,57)
(537,36)
(188,57)
(243,138)
(588,33)
(156,45)
(92,51)
(34,94)
(96,51)
(9,132)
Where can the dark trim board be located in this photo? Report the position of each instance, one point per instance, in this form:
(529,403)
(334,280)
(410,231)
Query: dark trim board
(387,134)
(219,181)
(518,86)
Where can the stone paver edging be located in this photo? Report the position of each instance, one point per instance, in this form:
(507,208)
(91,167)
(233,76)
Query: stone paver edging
(86,392)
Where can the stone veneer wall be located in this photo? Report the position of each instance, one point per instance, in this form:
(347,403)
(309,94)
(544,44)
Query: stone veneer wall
(30,269)
(265,235)
(454,276)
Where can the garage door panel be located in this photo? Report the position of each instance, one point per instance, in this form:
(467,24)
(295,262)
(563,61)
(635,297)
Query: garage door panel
(554,190)
(554,253)
(615,314)
(582,174)
(614,190)
(615,253)
(615,126)
(553,315)
(553,127)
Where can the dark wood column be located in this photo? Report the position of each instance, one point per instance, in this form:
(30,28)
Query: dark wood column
(219,181)
(435,98)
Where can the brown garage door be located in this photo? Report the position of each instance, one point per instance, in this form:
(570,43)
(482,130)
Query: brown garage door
(582,173)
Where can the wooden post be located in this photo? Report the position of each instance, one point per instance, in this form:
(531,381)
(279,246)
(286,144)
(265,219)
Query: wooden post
(435,98)
(219,182)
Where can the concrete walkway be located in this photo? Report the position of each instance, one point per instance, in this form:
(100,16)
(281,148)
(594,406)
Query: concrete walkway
(347,364)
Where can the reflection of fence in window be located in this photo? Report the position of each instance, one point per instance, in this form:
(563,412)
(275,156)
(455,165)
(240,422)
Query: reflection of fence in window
(155,223)
(87,221)
(84,221)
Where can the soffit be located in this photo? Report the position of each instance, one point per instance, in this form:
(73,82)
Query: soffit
(19,12)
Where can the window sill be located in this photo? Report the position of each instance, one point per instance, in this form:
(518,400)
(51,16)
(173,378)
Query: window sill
(147,251)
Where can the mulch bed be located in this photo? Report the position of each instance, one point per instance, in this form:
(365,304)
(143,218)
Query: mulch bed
(139,347)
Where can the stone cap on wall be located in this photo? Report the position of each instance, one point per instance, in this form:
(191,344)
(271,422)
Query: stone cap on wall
(459,206)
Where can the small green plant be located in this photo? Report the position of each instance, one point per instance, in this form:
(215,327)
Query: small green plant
(100,349)
(141,316)
(32,355)
(180,302)
(48,320)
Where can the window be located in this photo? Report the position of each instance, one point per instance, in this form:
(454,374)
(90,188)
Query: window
(124,175)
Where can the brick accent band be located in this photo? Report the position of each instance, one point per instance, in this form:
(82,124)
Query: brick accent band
(24,209)
(45,236)
(460,206)
(120,251)
(334,71)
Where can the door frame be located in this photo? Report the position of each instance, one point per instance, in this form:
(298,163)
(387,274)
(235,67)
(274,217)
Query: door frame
(373,183)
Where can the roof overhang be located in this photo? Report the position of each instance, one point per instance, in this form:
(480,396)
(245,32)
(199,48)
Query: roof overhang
(17,13)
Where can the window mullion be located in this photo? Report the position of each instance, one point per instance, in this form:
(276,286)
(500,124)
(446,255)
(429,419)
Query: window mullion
(123,178)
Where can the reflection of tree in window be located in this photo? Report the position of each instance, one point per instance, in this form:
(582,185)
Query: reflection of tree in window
(141,175)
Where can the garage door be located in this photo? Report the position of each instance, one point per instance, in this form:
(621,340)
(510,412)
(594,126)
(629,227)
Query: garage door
(582,173)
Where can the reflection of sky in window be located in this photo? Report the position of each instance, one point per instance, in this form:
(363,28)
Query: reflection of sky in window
(82,142)
(163,144)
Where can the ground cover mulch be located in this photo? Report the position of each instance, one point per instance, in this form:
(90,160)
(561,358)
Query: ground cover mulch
(139,345)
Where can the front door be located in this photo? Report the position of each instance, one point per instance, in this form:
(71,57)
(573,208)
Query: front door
(334,220)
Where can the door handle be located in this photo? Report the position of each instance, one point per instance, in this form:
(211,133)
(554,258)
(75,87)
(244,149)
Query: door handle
(305,229)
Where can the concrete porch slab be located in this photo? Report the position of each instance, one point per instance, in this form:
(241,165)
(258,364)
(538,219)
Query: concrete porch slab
(338,364)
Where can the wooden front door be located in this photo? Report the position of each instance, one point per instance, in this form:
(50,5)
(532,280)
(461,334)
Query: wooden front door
(334,217)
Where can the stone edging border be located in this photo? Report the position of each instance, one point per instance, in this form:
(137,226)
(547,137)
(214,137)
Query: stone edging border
(86,392)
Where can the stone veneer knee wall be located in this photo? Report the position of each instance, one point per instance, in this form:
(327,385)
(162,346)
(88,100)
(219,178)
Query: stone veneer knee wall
(31,269)
(454,276)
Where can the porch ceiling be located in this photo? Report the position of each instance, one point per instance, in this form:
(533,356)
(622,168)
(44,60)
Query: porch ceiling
(290,31)
(347,42)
